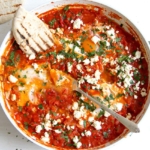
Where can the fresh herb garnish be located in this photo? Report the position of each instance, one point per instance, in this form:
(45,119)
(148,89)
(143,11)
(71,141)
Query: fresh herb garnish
(52,22)
(137,75)
(125,58)
(101,113)
(105,134)
(108,98)
(66,8)
(40,106)
(88,106)
(129,91)
(12,59)
(84,123)
(91,54)
(21,83)
(20,108)
(26,125)
(117,39)
(119,95)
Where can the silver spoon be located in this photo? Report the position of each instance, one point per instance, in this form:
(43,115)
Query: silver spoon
(127,123)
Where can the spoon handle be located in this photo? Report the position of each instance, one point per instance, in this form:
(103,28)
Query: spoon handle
(127,123)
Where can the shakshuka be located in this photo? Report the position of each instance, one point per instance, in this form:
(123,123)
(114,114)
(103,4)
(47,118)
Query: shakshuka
(108,64)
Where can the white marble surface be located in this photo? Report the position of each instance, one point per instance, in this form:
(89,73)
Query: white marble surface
(139,13)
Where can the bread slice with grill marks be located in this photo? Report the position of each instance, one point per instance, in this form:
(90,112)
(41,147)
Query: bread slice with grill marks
(8,8)
(31,34)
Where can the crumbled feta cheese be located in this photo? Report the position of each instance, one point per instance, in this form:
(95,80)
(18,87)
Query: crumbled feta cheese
(91,119)
(59,120)
(82,134)
(125,74)
(77,23)
(35,65)
(70,46)
(90,79)
(45,138)
(80,113)
(86,61)
(94,59)
(38,128)
(107,43)
(79,144)
(106,114)
(96,87)
(135,96)
(111,33)
(79,42)
(81,81)
(81,122)
(13,97)
(47,125)
(82,108)
(57,131)
(95,39)
(59,57)
(72,127)
(137,86)
(107,27)
(97,74)
(75,139)
(12,79)
(88,133)
(69,66)
(75,106)
(79,67)
(143,92)
(96,9)
(32,56)
(106,89)
(93,80)
(59,30)
(128,116)
(113,62)
(117,106)
(82,97)
(126,48)
(77,50)
(137,55)
(47,117)
(105,60)
(68,127)
(55,122)
(77,114)
(72,21)
(97,125)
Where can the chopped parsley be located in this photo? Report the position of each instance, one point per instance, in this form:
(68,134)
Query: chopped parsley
(88,106)
(125,58)
(52,22)
(26,125)
(117,39)
(108,98)
(105,134)
(137,75)
(119,95)
(101,113)
(66,8)
(40,106)
(13,59)
(20,108)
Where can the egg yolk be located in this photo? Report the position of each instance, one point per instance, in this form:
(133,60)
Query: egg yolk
(89,45)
